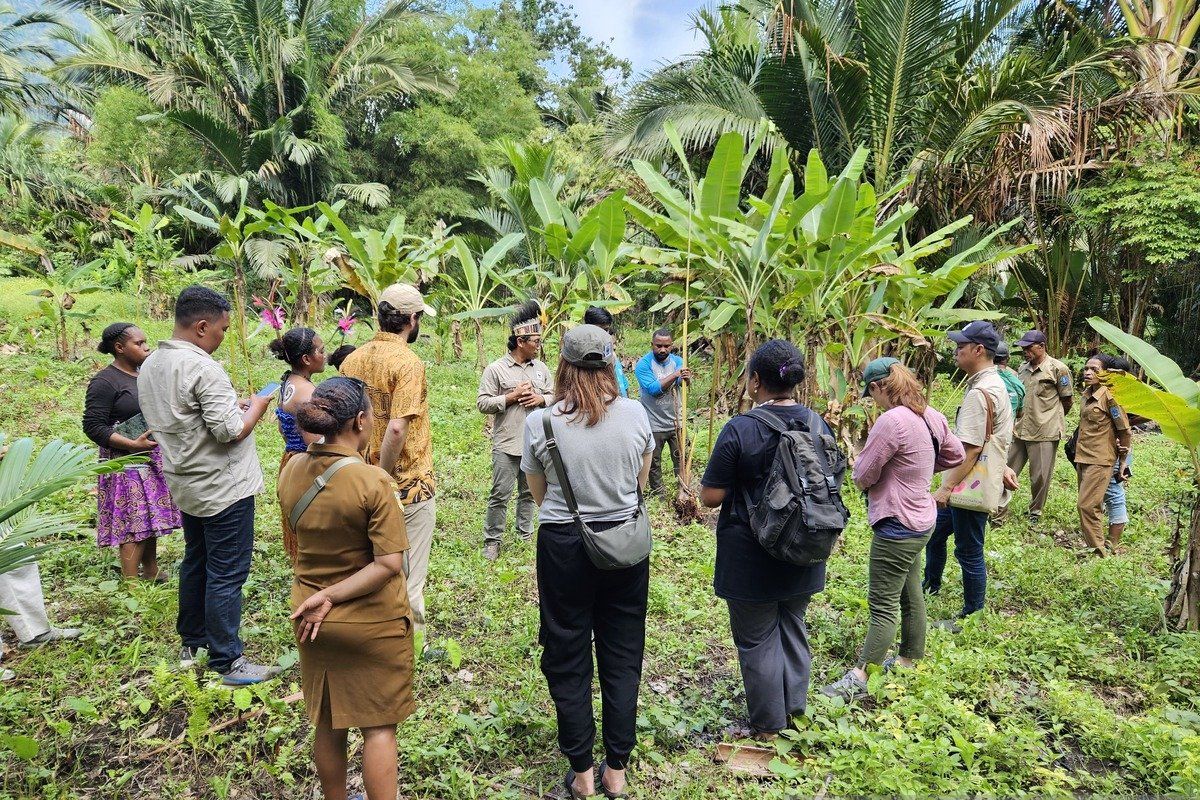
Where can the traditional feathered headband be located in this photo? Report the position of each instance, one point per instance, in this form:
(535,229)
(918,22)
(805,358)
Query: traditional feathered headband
(527,320)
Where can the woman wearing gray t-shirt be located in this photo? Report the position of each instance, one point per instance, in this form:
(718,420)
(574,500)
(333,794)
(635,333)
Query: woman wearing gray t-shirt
(605,443)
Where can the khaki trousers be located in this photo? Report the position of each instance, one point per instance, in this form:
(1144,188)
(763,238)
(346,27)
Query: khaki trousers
(1093,483)
(1040,457)
(419,519)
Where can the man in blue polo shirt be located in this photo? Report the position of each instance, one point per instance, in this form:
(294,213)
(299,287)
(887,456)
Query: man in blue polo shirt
(659,374)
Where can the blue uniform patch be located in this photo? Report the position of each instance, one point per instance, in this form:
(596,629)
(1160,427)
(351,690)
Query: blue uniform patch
(1065,380)
(1115,411)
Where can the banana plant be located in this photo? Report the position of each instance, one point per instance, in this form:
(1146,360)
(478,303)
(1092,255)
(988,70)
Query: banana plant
(59,293)
(375,259)
(26,479)
(470,290)
(149,251)
(1176,408)
(235,231)
(289,244)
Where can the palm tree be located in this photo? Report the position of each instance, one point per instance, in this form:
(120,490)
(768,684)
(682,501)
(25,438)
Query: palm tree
(24,51)
(941,92)
(25,479)
(258,83)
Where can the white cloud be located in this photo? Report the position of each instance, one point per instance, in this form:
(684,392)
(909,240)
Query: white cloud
(647,32)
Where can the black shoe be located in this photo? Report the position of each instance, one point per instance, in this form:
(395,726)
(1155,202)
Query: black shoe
(605,790)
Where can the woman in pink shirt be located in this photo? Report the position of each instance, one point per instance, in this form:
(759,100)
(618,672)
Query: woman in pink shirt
(909,442)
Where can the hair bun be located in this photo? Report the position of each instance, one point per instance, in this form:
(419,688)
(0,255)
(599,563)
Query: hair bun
(277,349)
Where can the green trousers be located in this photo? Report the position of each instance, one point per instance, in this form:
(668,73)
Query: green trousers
(894,598)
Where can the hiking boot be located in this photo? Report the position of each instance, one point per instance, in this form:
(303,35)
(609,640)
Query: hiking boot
(188,656)
(491,551)
(849,687)
(52,635)
(244,673)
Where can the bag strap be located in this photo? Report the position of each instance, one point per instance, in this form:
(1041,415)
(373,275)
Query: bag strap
(815,424)
(320,483)
(937,446)
(559,467)
(991,415)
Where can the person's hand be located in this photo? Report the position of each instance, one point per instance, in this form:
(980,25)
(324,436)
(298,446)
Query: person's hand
(685,374)
(518,392)
(532,400)
(144,442)
(311,613)
(1010,479)
(244,403)
(259,404)
(1124,474)
(942,496)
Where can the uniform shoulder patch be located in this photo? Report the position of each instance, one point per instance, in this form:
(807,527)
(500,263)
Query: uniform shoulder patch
(1065,380)
(1115,411)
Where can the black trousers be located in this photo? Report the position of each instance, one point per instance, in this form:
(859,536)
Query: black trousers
(580,603)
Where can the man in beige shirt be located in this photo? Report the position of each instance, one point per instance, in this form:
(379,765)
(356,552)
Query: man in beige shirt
(1042,421)
(206,437)
(510,388)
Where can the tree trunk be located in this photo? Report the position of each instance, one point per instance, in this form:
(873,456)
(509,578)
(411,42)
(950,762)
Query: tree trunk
(456,332)
(302,294)
(480,355)
(1183,600)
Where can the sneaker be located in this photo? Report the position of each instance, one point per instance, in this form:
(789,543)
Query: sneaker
(52,635)
(244,673)
(491,551)
(188,656)
(1034,519)
(892,663)
(849,687)
(7,675)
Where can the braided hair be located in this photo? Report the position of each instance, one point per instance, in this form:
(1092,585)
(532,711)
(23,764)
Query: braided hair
(113,335)
(334,403)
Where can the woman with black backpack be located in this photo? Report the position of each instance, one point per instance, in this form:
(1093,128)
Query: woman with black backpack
(767,596)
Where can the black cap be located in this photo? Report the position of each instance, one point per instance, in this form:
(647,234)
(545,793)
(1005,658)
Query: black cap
(978,332)
(1032,337)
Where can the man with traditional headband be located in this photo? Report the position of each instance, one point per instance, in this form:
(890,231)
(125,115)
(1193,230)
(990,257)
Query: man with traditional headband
(511,387)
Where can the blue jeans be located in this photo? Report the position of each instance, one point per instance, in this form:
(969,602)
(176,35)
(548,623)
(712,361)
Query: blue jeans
(968,528)
(216,562)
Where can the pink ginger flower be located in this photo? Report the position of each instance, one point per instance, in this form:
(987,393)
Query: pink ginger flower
(273,317)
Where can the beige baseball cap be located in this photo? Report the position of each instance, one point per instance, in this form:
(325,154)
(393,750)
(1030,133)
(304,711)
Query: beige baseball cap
(405,298)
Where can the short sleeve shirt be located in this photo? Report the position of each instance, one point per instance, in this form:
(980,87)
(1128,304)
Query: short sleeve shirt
(971,423)
(740,462)
(395,379)
(1100,421)
(351,521)
(1042,416)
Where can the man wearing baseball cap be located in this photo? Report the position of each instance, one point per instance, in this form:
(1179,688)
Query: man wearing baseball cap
(985,397)
(400,441)
(1042,422)
(1016,389)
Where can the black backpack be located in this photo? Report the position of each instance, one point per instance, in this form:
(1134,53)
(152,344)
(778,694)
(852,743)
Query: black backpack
(801,513)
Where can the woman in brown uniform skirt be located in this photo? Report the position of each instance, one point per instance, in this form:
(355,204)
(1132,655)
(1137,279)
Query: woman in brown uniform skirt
(349,596)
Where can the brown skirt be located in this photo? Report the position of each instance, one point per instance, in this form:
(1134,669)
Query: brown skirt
(358,674)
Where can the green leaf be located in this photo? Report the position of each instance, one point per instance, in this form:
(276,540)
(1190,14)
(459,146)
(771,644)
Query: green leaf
(453,653)
(81,707)
(23,747)
(1179,420)
(720,318)
(1162,370)
(242,699)
(722,184)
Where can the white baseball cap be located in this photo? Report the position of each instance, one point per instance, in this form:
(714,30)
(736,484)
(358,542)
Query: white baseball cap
(405,298)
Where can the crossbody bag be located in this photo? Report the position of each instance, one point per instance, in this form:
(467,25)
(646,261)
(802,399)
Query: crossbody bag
(623,545)
(318,485)
(983,487)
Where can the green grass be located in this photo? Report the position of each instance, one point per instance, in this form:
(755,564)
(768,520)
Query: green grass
(1067,685)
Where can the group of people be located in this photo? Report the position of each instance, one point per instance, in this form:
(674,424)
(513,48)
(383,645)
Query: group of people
(356,490)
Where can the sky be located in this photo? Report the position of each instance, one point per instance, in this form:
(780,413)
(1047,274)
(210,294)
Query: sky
(647,32)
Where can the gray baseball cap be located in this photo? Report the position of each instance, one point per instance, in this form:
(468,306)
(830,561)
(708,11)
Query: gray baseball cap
(1002,350)
(587,347)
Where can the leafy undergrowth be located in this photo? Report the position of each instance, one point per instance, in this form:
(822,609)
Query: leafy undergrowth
(1067,685)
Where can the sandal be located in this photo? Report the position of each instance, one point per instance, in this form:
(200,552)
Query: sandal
(609,793)
(569,783)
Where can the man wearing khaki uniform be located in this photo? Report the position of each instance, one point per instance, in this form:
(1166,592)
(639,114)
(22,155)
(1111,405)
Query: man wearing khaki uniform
(1104,439)
(1042,423)
(510,388)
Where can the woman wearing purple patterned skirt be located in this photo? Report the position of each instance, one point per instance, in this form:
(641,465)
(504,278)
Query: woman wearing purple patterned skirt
(135,506)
